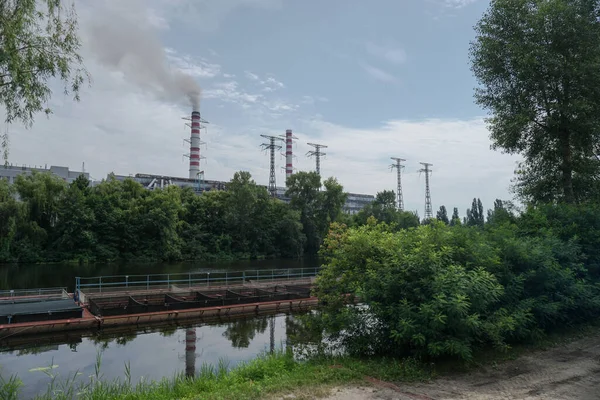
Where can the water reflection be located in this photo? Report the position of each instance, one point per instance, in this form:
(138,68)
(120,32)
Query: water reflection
(152,353)
(241,332)
(190,352)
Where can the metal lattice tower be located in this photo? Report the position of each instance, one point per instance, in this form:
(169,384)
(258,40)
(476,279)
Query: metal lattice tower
(428,207)
(272,146)
(317,153)
(399,166)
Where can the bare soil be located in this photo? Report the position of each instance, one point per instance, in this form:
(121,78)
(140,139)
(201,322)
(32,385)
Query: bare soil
(570,371)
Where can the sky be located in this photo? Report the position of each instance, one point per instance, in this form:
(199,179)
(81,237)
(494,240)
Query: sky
(370,80)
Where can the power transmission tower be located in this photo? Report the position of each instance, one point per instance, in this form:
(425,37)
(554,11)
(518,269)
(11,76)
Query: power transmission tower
(317,153)
(273,147)
(428,208)
(399,166)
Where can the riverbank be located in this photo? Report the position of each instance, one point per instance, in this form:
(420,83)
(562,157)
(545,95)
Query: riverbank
(564,365)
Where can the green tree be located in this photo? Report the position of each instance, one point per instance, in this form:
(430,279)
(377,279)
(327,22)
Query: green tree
(38,41)
(442,215)
(303,190)
(537,62)
(383,209)
(75,231)
(475,215)
(334,199)
(10,215)
(455,218)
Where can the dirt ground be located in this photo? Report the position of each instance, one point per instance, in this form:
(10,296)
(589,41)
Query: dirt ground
(567,372)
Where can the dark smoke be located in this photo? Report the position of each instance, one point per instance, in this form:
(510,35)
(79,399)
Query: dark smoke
(131,46)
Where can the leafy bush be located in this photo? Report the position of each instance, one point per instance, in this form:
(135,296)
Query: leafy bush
(439,290)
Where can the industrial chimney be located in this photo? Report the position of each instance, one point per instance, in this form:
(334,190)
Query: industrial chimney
(289,140)
(195,145)
(289,170)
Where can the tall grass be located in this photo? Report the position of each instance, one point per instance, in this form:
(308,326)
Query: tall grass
(266,374)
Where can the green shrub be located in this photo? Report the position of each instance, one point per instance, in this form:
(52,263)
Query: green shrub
(438,290)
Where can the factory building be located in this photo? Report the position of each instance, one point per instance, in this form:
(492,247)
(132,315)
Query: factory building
(354,203)
(10,172)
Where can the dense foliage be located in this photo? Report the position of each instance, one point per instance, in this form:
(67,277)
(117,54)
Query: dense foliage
(44,219)
(441,290)
(538,63)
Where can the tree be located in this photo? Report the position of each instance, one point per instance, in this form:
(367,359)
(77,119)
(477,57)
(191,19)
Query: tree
(442,215)
(455,218)
(303,190)
(538,64)
(317,208)
(37,43)
(475,215)
(386,199)
(334,199)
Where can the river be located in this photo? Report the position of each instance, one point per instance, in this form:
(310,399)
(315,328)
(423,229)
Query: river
(151,353)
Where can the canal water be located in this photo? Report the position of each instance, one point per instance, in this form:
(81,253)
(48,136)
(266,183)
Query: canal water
(151,353)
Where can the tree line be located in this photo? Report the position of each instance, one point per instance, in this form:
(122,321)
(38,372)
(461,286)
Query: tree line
(42,218)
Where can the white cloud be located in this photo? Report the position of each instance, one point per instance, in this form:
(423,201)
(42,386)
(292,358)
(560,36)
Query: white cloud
(270,81)
(230,92)
(458,3)
(379,74)
(193,66)
(269,84)
(391,54)
(251,76)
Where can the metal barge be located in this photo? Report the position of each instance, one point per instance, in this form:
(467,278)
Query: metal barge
(145,300)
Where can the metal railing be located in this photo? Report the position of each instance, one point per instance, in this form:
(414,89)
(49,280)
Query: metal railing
(116,283)
(55,293)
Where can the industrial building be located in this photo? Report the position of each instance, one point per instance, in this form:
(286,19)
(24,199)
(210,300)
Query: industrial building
(10,172)
(354,202)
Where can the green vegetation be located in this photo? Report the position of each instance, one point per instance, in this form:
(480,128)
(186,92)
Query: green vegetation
(444,291)
(538,65)
(266,375)
(44,219)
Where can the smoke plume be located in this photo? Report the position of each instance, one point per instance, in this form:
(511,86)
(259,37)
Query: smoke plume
(129,43)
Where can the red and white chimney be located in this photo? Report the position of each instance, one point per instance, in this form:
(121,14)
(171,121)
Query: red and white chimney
(195,146)
(289,169)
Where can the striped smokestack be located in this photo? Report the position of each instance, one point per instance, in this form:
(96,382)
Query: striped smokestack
(289,169)
(195,146)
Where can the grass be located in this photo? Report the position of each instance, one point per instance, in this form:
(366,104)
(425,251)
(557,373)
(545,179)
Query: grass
(263,377)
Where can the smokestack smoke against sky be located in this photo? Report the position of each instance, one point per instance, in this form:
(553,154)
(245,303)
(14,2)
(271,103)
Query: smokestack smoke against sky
(131,45)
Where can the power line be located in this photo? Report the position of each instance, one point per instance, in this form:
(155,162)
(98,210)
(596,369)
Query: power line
(272,146)
(428,208)
(317,153)
(399,166)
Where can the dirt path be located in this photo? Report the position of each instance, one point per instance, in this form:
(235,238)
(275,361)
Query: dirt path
(567,372)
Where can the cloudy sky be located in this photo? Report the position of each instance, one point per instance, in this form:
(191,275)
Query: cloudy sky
(371,80)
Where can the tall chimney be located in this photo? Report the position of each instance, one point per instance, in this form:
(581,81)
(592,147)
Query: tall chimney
(195,146)
(289,169)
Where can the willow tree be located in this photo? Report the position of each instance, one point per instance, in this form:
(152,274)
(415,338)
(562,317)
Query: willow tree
(39,44)
(538,66)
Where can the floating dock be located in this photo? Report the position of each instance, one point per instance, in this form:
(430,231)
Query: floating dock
(104,302)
